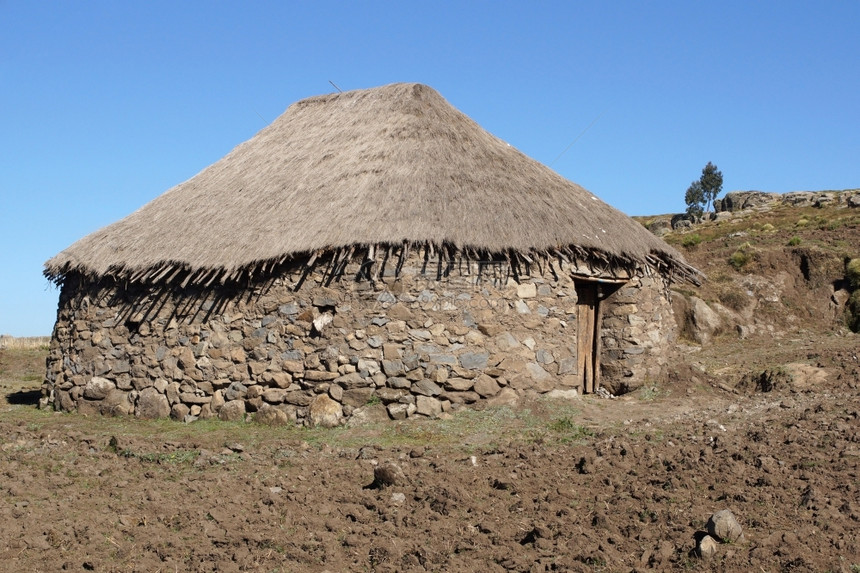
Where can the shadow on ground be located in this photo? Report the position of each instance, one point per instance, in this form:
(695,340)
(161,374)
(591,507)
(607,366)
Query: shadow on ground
(24,397)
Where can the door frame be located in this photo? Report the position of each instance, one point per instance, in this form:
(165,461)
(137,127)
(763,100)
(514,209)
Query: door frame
(590,292)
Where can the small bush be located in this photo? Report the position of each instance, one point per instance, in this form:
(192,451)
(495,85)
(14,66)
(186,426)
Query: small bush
(852,273)
(767,227)
(691,240)
(802,222)
(852,311)
(740,258)
(733,299)
(794,241)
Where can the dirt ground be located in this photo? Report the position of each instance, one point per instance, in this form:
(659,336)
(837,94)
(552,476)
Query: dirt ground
(588,484)
(591,484)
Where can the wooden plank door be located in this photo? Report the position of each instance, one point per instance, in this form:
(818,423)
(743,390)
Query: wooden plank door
(588,344)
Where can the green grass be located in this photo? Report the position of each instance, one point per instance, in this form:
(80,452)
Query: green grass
(852,273)
(740,258)
(691,240)
(177,457)
(568,431)
(649,393)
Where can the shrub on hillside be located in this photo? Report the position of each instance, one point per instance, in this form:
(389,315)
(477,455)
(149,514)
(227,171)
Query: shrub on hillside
(733,299)
(691,240)
(741,257)
(852,311)
(852,273)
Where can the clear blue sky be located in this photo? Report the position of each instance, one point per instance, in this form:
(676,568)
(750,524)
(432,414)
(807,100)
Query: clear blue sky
(106,104)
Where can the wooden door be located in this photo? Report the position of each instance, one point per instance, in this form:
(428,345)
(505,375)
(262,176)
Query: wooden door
(588,344)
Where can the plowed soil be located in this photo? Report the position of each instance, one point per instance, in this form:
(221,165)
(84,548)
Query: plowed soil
(590,484)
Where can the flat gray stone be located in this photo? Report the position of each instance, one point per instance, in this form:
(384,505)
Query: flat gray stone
(398,382)
(289,309)
(447,359)
(537,372)
(544,356)
(393,367)
(386,297)
(458,384)
(426,387)
(474,360)
(566,366)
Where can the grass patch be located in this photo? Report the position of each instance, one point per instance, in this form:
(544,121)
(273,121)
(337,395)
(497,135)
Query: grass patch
(741,257)
(852,273)
(567,431)
(649,393)
(691,240)
(177,457)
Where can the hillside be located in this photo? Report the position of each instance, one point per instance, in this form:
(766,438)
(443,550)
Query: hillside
(759,416)
(776,291)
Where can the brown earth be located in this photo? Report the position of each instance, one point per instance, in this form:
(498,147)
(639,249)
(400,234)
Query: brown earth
(767,426)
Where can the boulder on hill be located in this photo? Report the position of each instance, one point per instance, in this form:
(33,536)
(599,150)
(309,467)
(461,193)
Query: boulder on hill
(740,200)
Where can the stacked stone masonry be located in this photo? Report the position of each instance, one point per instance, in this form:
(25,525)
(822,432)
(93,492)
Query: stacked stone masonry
(420,343)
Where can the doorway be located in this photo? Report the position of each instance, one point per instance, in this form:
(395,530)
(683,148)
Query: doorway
(588,336)
(590,295)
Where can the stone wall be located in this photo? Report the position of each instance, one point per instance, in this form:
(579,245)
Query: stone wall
(638,333)
(427,341)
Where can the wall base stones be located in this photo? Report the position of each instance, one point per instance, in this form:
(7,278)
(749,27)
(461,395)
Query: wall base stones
(302,348)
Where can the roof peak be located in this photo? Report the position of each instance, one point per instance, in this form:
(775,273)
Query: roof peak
(376,166)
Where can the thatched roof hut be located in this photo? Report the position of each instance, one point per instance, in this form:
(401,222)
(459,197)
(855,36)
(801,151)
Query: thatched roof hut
(478,272)
(363,169)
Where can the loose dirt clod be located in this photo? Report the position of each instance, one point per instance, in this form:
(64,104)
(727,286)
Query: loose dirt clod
(387,474)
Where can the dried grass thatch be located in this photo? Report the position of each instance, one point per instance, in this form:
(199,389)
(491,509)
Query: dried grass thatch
(380,166)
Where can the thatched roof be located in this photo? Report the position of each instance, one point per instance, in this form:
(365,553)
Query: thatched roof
(367,167)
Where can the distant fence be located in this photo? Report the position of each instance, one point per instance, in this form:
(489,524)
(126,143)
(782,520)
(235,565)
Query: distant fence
(7,341)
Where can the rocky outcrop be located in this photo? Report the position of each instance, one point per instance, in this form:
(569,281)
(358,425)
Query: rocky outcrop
(697,320)
(741,200)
